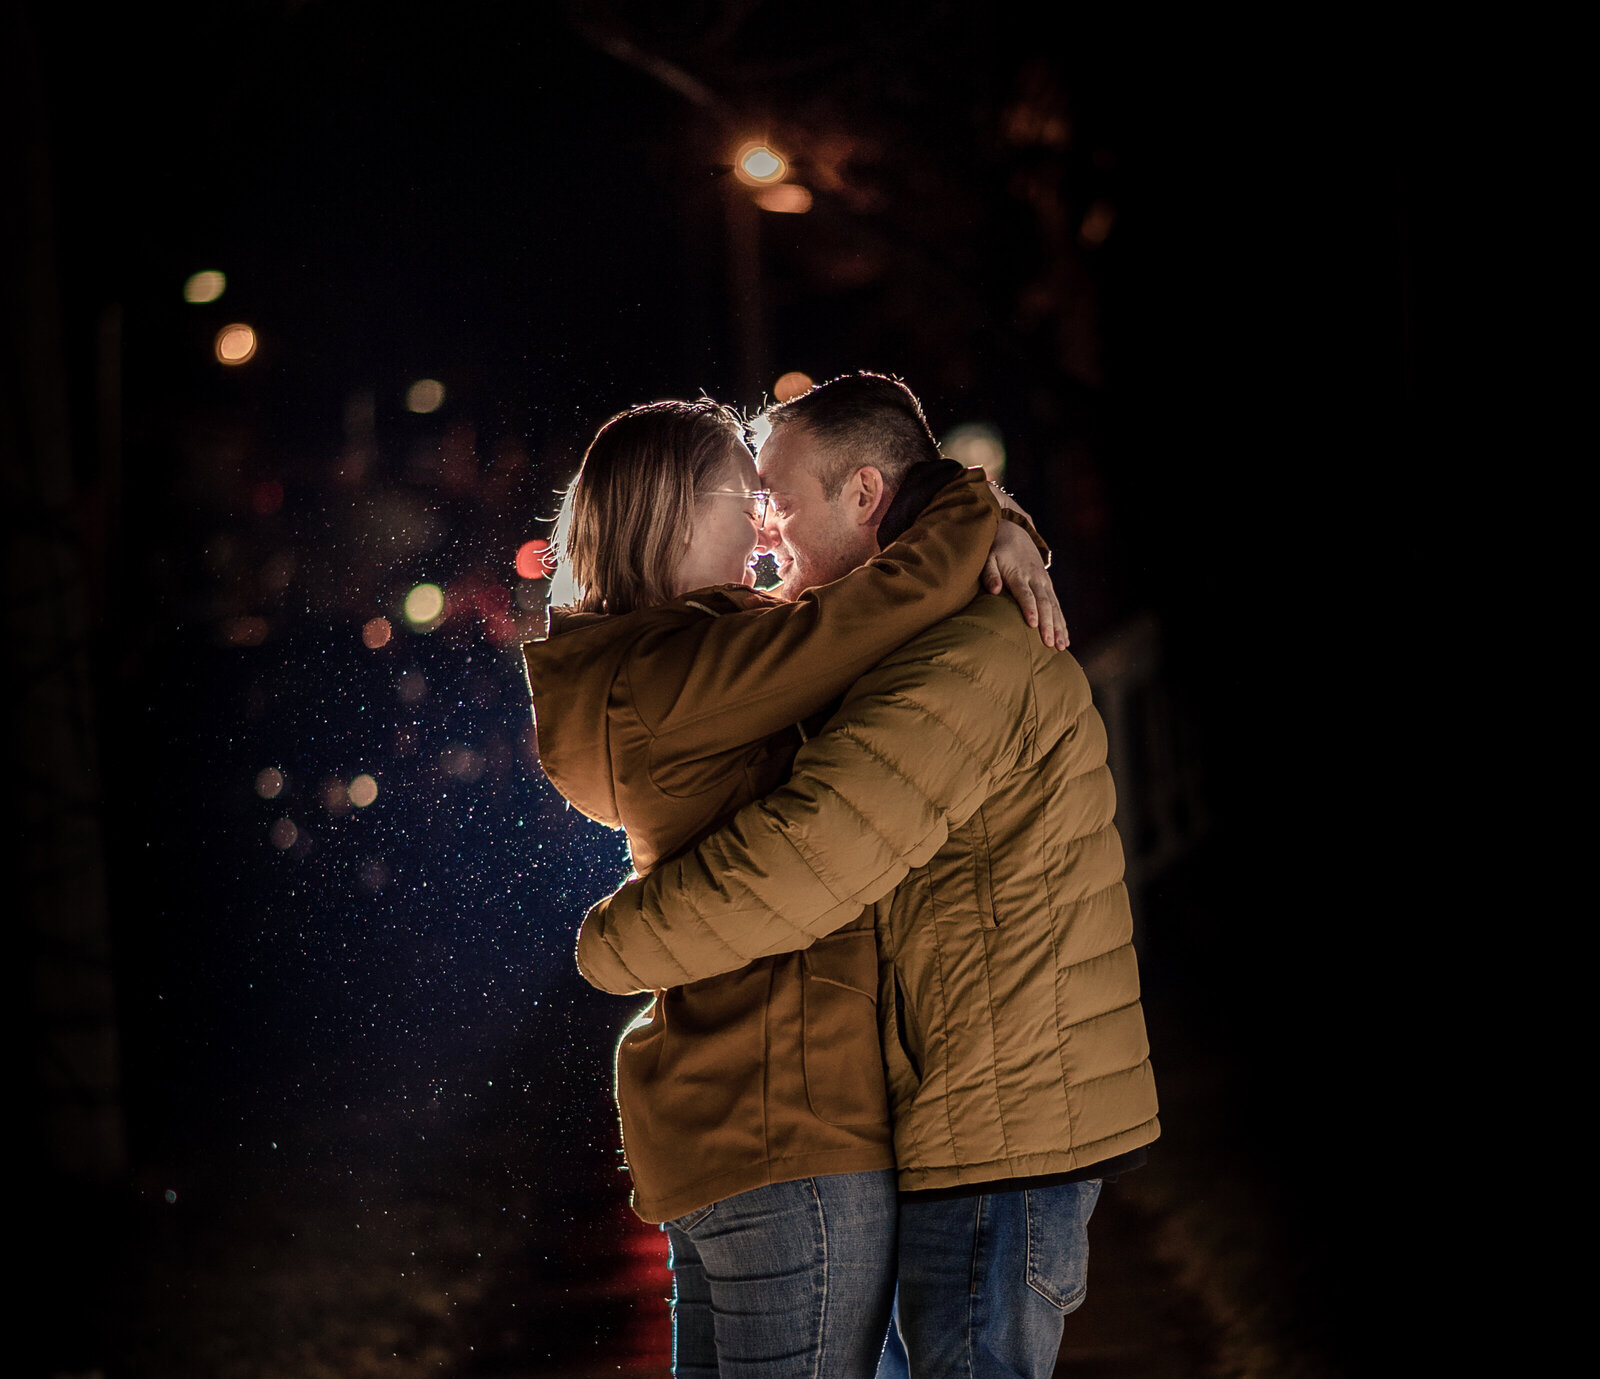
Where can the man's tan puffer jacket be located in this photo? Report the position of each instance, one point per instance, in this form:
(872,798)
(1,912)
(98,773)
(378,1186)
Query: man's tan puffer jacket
(967,772)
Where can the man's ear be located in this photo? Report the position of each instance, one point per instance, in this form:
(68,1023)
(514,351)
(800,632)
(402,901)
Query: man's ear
(869,496)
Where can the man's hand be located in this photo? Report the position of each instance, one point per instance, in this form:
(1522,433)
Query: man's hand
(1015,565)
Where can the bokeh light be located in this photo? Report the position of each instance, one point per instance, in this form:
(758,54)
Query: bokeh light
(977,445)
(363,791)
(267,497)
(791,385)
(425,605)
(236,344)
(1097,224)
(425,395)
(462,763)
(790,198)
(375,632)
(284,834)
(335,796)
(246,631)
(492,602)
(269,783)
(278,569)
(758,165)
(412,687)
(205,287)
(535,559)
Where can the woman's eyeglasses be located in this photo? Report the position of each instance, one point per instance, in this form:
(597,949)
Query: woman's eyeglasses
(759,496)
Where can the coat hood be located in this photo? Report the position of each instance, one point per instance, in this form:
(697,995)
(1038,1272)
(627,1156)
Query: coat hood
(570,674)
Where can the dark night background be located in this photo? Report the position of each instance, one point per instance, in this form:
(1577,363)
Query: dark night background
(341,1106)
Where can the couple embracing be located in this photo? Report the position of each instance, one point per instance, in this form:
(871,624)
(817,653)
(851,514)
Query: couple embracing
(896,1042)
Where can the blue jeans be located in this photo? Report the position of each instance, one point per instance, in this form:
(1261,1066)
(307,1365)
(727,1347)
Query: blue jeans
(788,1281)
(986,1283)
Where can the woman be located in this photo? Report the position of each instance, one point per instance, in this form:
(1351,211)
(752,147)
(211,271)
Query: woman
(753,1108)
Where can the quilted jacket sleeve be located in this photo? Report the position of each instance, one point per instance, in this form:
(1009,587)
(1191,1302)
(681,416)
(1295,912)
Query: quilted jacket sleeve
(732,680)
(916,747)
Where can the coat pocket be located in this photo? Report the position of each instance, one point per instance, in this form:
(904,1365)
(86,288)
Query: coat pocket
(904,1026)
(843,1064)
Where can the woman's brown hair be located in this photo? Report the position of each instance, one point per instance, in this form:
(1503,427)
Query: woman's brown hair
(631,508)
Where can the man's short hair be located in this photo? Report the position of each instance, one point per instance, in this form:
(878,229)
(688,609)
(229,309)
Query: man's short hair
(861,418)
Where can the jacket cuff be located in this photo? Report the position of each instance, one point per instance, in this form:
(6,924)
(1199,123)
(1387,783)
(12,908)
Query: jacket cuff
(922,481)
(600,965)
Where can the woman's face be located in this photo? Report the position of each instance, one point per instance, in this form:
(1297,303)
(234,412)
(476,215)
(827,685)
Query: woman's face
(726,531)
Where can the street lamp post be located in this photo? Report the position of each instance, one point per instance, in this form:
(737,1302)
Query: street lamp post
(755,165)
(746,309)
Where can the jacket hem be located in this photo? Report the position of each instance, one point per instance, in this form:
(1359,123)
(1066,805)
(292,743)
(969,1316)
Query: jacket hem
(922,1177)
(725,1185)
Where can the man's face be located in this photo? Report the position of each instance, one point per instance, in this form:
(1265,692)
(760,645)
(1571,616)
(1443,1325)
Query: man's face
(814,539)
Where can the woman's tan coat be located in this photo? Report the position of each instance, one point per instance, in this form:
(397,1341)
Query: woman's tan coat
(664,722)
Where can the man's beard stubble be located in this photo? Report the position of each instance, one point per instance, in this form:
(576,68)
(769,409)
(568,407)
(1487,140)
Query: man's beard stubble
(824,564)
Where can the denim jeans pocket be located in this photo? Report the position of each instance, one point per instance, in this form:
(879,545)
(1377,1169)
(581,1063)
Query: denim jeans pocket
(690,1220)
(1058,1241)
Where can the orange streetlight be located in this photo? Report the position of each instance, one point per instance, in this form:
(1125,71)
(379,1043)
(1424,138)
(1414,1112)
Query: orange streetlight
(757,165)
(235,344)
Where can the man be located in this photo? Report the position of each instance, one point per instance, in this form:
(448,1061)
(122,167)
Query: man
(961,787)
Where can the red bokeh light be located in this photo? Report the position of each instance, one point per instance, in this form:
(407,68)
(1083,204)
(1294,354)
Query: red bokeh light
(535,559)
(491,601)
